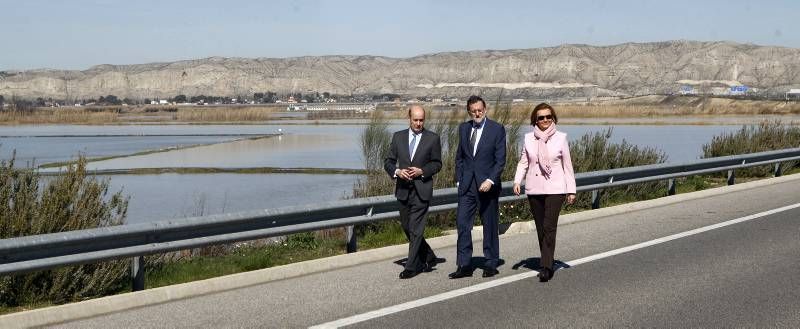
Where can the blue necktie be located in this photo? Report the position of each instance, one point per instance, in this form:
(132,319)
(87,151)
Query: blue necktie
(411,146)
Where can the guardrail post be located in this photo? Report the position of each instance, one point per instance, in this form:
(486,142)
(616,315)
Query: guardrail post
(731,177)
(777,172)
(137,273)
(352,245)
(595,199)
(671,186)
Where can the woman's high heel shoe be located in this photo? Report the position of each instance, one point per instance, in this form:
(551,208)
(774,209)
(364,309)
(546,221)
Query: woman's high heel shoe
(545,274)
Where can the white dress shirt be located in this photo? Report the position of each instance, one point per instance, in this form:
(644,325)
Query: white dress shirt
(411,134)
(478,135)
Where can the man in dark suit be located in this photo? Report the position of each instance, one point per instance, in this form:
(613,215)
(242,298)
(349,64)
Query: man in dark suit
(480,159)
(415,155)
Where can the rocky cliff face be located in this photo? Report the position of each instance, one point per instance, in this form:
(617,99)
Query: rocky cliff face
(626,69)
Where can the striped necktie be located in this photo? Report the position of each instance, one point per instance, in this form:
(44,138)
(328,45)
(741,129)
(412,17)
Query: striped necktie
(411,146)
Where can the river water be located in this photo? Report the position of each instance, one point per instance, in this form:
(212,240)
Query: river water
(303,144)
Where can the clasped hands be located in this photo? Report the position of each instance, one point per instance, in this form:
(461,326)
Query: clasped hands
(409,173)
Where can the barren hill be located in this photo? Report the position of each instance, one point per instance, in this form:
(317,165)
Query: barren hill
(567,70)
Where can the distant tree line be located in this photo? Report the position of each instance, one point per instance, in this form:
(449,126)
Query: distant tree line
(266,97)
(386,97)
(16,104)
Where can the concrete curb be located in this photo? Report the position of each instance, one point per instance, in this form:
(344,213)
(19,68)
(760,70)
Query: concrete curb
(117,303)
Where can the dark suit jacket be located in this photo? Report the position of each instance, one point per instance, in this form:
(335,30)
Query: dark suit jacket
(428,157)
(489,159)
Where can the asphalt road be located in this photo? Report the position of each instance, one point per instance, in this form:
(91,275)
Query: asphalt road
(743,275)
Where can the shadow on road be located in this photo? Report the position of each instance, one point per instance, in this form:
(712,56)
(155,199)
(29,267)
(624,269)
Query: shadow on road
(533,263)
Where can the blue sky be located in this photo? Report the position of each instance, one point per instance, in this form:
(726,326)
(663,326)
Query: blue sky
(78,34)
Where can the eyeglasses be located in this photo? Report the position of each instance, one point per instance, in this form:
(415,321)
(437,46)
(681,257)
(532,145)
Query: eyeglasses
(542,117)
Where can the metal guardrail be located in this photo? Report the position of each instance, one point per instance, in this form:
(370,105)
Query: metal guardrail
(39,252)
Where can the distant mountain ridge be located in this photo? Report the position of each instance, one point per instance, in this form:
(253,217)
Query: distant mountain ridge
(566,70)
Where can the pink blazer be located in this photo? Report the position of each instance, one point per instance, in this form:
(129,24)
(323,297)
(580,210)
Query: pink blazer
(562,177)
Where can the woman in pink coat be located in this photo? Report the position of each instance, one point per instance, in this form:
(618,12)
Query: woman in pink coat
(546,167)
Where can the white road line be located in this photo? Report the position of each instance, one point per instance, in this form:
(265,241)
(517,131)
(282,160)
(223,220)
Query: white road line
(517,277)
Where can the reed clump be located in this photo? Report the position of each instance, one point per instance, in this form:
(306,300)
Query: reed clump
(116,114)
(31,205)
(57,116)
(513,121)
(224,114)
(375,142)
(766,136)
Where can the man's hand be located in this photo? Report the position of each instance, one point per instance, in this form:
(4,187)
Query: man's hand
(485,186)
(414,172)
(403,174)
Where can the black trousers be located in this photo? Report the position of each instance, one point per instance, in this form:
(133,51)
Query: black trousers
(545,209)
(412,219)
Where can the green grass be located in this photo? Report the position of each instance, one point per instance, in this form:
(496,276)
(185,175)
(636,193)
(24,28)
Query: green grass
(296,248)
(23,308)
(243,259)
(795,170)
(391,233)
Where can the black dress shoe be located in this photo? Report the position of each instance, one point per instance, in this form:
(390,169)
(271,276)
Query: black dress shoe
(490,272)
(408,274)
(461,272)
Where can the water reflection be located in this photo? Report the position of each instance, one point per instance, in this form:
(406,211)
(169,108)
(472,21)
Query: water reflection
(143,130)
(294,150)
(338,147)
(51,149)
(165,196)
